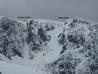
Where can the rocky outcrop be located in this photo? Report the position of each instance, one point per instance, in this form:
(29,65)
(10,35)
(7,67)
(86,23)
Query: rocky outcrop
(79,52)
(11,37)
(37,37)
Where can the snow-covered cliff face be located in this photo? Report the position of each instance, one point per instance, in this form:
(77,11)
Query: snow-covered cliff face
(11,37)
(68,47)
(79,53)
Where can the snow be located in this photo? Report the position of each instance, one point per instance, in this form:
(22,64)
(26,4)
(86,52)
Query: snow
(7,68)
(53,45)
(24,65)
(50,55)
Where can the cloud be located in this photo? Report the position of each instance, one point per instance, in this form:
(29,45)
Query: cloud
(50,8)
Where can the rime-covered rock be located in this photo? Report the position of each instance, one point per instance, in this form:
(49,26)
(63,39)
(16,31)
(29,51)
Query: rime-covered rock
(79,52)
(11,37)
(37,36)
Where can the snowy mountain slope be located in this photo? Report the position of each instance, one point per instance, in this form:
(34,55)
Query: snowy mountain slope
(11,37)
(79,54)
(54,46)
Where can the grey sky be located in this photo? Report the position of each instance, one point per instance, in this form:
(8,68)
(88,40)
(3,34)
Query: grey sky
(50,9)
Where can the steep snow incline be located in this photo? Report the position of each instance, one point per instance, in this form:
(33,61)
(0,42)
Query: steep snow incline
(26,52)
(53,45)
(53,51)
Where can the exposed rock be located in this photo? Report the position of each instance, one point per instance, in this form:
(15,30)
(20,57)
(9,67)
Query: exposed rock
(11,37)
(78,50)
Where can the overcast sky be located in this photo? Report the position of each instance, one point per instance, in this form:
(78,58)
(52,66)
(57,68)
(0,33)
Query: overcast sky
(50,9)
